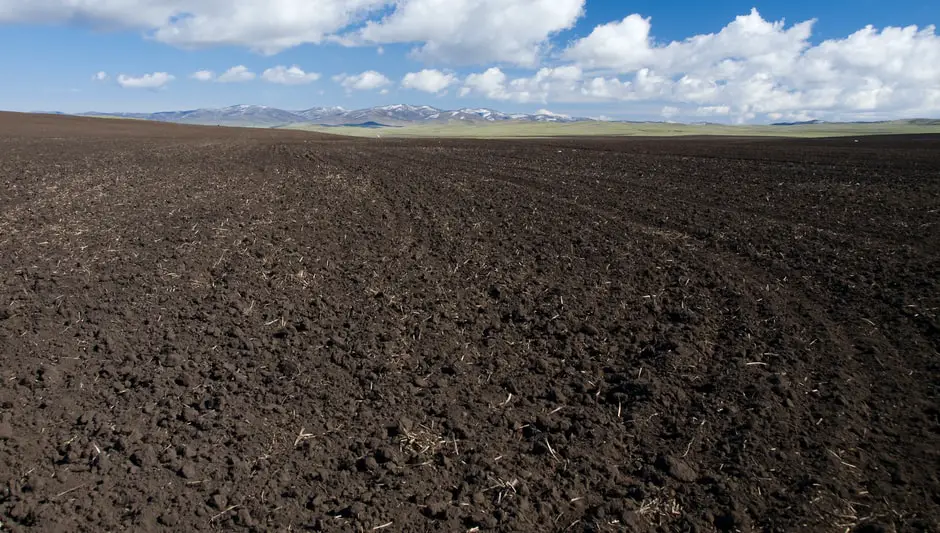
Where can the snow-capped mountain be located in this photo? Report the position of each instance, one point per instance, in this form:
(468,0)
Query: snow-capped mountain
(316,114)
(481,114)
(389,115)
(392,115)
(237,115)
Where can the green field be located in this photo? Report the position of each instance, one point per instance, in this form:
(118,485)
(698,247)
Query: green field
(530,130)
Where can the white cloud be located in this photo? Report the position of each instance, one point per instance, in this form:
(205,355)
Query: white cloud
(669,112)
(429,81)
(203,75)
(366,81)
(717,110)
(147,81)
(237,74)
(790,117)
(100,76)
(490,84)
(461,31)
(128,13)
(475,31)
(549,113)
(289,75)
(544,86)
(623,45)
(751,69)
(267,26)
(627,46)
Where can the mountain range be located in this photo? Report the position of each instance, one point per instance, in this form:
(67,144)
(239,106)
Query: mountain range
(389,115)
(386,116)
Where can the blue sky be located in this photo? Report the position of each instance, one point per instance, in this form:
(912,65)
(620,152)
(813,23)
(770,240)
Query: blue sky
(683,60)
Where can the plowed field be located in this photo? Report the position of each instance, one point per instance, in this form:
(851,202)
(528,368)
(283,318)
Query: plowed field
(211,329)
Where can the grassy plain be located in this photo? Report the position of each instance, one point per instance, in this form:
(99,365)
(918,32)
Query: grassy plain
(619,129)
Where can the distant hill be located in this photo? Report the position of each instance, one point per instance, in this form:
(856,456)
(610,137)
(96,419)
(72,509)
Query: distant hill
(906,121)
(370,124)
(400,115)
(239,115)
(922,122)
(390,115)
(802,123)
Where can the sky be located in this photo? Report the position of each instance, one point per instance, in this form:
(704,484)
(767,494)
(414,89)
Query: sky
(684,60)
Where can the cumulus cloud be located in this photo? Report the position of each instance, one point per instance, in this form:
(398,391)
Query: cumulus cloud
(627,45)
(429,81)
(289,75)
(203,75)
(751,69)
(544,86)
(237,74)
(668,112)
(624,45)
(366,81)
(490,84)
(460,31)
(719,110)
(550,113)
(127,13)
(147,81)
(475,31)
(100,76)
(267,26)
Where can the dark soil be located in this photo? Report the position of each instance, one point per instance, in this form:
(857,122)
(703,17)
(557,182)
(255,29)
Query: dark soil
(213,329)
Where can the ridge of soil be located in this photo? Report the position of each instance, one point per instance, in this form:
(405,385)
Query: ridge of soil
(216,329)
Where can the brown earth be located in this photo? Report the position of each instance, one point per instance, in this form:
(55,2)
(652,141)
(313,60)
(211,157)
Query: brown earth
(251,330)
